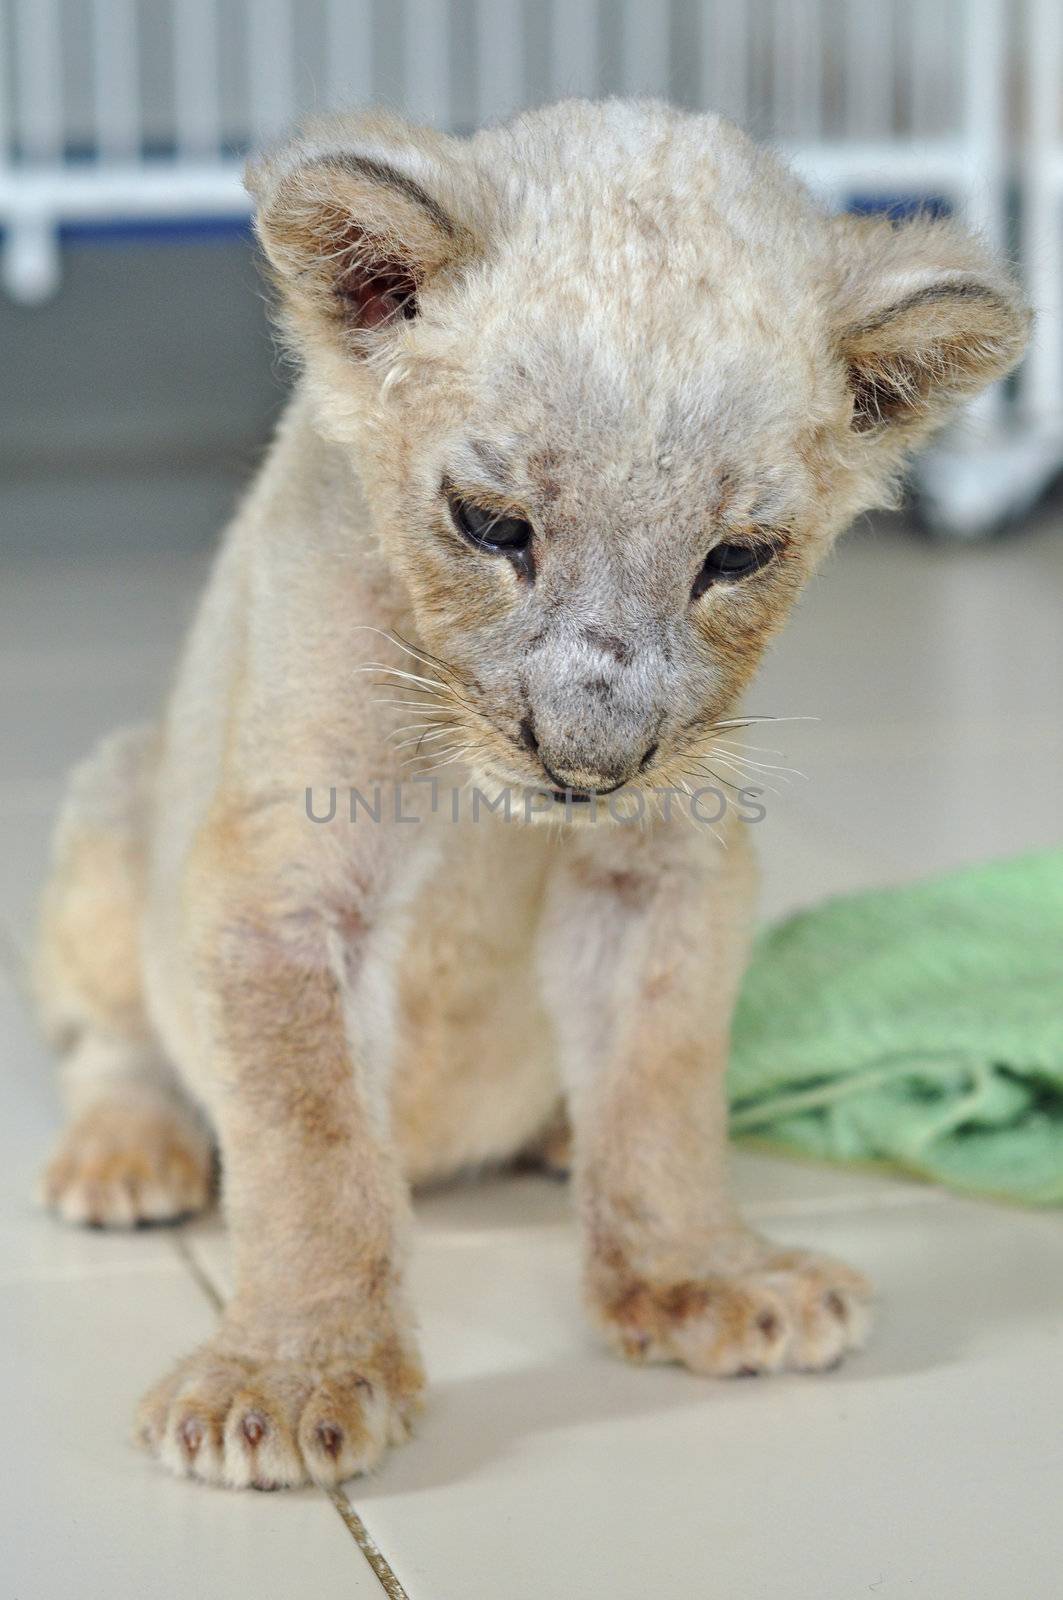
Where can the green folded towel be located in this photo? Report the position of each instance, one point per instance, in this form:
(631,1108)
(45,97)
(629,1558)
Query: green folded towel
(919,1026)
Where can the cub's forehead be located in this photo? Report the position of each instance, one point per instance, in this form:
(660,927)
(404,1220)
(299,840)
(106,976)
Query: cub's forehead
(631,456)
(680,339)
(551,404)
(656,265)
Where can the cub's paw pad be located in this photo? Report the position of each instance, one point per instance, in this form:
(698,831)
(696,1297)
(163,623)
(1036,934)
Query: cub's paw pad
(118,1166)
(791,1310)
(276,1424)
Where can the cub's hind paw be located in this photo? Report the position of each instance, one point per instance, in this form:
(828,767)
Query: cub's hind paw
(277,1424)
(124,1162)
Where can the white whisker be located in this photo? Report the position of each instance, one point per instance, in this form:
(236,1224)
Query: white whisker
(420,739)
(748,721)
(426,660)
(397,672)
(412,705)
(688,791)
(748,779)
(741,744)
(759,766)
(415,727)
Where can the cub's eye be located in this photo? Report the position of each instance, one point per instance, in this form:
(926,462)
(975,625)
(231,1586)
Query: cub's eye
(487,530)
(726,563)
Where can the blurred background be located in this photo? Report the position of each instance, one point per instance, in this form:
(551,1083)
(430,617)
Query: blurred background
(138,378)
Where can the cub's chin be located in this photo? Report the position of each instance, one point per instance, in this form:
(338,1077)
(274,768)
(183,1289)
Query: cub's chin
(529,805)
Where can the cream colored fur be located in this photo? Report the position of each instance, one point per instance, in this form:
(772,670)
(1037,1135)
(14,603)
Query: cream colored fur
(634,331)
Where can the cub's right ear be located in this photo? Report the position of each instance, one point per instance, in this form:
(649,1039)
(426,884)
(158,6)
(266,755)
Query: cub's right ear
(927,316)
(357,218)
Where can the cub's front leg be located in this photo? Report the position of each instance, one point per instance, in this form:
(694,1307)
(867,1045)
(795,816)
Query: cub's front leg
(314,1369)
(644,943)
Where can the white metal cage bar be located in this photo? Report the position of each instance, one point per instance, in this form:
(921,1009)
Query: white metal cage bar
(499,58)
(426,60)
(872,99)
(270,68)
(38,80)
(574,47)
(645,37)
(869,69)
(197,108)
(349,52)
(117,89)
(725,58)
(798,48)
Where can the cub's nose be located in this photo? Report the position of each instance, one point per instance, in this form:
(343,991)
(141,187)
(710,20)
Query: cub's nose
(568,766)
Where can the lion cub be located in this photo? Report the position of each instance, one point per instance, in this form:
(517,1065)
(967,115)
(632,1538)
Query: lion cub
(584,401)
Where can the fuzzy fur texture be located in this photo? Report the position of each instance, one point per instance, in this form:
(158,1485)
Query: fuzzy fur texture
(634,331)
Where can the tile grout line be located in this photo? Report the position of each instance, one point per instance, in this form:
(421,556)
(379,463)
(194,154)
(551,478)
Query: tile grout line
(206,1284)
(382,1568)
(374,1556)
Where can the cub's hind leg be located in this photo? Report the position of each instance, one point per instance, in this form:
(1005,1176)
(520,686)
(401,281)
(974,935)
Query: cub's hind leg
(135,1149)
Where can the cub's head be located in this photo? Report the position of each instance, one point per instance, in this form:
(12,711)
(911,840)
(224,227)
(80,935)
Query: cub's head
(613,382)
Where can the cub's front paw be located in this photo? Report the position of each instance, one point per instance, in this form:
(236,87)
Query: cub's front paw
(271,1424)
(782,1309)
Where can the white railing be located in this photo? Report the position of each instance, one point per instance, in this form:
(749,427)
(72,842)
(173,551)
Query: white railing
(141,110)
(876,97)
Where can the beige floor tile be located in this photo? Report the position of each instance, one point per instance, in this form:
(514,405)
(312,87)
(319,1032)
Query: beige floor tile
(85,1514)
(935,805)
(929,1466)
(545,1463)
(896,630)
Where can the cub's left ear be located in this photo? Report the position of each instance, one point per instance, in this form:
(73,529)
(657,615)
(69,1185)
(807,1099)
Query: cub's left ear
(357,216)
(926,317)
